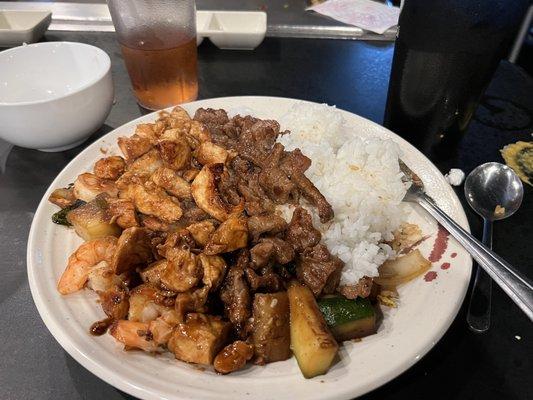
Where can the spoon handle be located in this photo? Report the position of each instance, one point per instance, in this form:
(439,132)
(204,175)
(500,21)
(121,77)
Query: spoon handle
(478,316)
(517,287)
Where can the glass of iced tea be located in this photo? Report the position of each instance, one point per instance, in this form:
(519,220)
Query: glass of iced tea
(158,42)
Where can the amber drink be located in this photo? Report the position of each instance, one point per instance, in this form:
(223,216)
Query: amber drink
(158,43)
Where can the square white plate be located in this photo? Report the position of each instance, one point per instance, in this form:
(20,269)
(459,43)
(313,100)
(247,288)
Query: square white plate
(17,27)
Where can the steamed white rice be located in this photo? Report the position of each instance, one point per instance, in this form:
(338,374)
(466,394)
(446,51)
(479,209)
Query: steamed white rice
(361,179)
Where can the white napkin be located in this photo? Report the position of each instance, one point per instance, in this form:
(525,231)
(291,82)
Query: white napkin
(366,14)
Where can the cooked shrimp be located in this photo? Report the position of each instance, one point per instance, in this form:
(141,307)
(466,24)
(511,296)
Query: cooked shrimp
(147,303)
(163,326)
(83,261)
(87,186)
(133,334)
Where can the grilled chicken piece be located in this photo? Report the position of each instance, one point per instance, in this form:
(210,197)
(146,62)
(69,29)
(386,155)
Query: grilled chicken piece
(300,232)
(265,223)
(146,131)
(191,301)
(87,186)
(152,200)
(210,153)
(235,294)
(122,212)
(152,274)
(62,197)
(214,270)
(174,184)
(134,146)
(183,270)
(202,231)
(180,113)
(134,248)
(140,169)
(232,234)
(206,195)
(233,357)
(199,338)
(270,328)
(319,270)
(109,167)
(115,302)
(176,154)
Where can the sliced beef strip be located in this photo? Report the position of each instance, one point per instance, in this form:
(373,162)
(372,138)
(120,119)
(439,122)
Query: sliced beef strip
(265,223)
(361,289)
(271,249)
(274,180)
(317,268)
(244,123)
(300,232)
(223,132)
(256,141)
(209,116)
(294,162)
(227,187)
(256,200)
(235,294)
(266,281)
(313,195)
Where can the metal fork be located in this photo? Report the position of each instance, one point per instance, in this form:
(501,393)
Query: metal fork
(517,287)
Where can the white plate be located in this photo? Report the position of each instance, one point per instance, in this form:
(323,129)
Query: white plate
(407,333)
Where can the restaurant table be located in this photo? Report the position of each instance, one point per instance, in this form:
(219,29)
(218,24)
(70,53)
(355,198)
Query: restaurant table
(354,76)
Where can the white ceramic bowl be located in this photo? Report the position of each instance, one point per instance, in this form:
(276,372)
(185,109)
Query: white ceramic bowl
(53,95)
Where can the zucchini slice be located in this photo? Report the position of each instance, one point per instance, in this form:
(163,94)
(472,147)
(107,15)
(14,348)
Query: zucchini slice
(348,319)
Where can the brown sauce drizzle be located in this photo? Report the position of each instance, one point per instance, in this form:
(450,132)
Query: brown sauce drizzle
(100,327)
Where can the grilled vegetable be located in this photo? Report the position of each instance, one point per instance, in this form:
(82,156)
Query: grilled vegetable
(92,221)
(270,331)
(402,269)
(311,340)
(348,319)
(60,217)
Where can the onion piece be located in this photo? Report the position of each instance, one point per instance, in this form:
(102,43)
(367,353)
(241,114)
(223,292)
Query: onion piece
(402,269)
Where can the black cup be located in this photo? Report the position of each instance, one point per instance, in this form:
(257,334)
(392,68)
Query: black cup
(445,56)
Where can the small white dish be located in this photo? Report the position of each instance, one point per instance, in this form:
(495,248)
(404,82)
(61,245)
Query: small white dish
(17,27)
(232,30)
(53,95)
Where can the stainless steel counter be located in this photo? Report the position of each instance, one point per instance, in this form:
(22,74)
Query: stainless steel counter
(286,18)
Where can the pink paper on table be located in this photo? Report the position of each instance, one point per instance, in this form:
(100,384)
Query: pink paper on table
(366,14)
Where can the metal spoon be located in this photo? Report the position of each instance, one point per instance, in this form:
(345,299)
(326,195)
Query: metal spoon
(516,285)
(495,192)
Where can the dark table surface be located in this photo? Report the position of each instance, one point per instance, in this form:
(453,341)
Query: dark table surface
(354,76)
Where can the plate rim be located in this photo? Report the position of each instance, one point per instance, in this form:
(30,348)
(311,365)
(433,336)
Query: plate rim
(113,377)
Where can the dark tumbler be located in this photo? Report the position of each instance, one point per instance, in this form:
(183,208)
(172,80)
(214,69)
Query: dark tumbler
(445,55)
